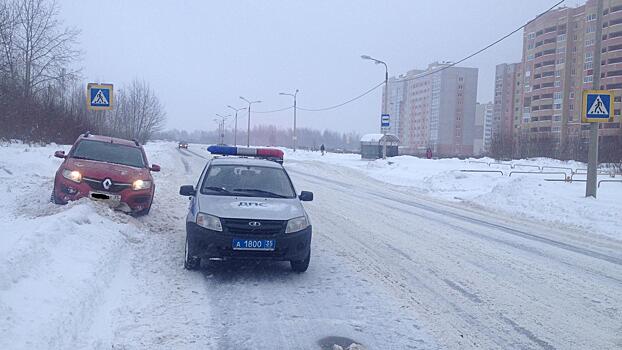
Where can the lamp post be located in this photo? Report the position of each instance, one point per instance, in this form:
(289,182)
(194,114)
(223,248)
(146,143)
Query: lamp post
(235,127)
(221,126)
(294,137)
(386,100)
(248,130)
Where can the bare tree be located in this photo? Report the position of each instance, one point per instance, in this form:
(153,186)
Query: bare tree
(44,48)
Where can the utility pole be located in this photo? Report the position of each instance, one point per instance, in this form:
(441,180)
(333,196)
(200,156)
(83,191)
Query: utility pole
(235,127)
(248,130)
(385,106)
(294,136)
(221,127)
(592,157)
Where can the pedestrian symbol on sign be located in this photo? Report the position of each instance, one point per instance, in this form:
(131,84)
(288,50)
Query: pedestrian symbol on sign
(598,107)
(100,99)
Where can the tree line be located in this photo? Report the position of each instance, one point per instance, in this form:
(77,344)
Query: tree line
(270,135)
(42,97)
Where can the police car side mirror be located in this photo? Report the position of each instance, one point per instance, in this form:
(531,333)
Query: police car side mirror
(155,167)
(187,190)
(306,196)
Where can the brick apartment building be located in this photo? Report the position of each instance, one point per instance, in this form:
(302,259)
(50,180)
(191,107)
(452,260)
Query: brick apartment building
(558,63)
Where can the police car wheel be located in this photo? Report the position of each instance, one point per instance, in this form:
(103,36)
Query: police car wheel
(301,265)
(190,262)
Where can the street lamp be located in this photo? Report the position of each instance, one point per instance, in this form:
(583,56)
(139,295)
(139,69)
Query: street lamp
(294,137)
(248,131)
(221,127)
(235,128)
(386,99)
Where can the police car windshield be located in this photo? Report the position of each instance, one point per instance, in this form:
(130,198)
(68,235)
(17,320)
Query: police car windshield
(249,181)
(109,153)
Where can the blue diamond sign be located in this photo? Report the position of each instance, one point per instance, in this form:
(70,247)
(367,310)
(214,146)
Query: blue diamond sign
(597,106)
(99,97)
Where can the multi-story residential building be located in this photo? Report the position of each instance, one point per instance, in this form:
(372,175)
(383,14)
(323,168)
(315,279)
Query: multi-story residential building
(560,51)
(483,128)
(507,102)
(436,109)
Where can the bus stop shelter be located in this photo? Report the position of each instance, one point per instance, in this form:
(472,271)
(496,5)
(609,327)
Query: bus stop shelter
(371,145)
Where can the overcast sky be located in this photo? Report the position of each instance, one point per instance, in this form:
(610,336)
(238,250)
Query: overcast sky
(200,56)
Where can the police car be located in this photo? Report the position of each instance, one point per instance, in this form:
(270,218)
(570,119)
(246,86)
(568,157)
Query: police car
(245,207)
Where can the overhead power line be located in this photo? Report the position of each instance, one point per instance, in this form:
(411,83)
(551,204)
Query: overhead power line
(449,65)
(343,103)
(482,49)
(276,110)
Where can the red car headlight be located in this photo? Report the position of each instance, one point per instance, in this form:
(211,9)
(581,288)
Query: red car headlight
(141,185)
(72,175)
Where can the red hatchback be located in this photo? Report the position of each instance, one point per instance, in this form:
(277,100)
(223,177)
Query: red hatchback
(106,169)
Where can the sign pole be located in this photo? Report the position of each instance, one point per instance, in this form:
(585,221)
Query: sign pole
(592,162)
(591,185)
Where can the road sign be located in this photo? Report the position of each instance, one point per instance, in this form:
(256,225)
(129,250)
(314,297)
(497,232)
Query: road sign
(597,106)
(385,121)
(99,97)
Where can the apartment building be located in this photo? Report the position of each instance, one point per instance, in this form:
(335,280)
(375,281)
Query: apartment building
(436,109)
(483,128)
(560,51)
(507,102)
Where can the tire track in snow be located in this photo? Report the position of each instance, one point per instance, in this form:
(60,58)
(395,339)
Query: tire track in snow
(506,229)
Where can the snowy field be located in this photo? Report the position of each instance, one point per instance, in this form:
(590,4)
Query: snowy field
(438,260)
(518,195)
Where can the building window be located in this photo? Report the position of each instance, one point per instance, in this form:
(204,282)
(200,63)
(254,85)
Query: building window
(588,56)
(571,94)
(591,28)
(591,17)
(530,46)
(590,42)
(531,35)
(588,79)
(561,37)
(587,66)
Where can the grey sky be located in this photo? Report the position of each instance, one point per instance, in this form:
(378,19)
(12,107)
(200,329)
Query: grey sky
(200,56)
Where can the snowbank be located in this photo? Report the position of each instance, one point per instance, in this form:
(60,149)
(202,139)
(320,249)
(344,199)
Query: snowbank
(519,194)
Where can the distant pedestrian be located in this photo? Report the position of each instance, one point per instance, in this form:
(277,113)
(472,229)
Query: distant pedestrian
(428,153)
(323,149)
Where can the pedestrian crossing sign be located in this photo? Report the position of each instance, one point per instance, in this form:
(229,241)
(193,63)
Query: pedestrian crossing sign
(597,106)
(99,97)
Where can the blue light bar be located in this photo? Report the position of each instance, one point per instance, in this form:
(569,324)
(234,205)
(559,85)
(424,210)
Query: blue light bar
(270,153)
(224,150)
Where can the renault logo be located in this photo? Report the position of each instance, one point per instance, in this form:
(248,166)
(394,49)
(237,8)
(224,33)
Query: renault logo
(107,183)
(254,224)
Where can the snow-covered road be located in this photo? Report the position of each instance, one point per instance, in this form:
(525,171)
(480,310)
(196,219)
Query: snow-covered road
(390,269)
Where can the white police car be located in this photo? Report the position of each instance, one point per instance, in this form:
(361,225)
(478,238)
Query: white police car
(245,207)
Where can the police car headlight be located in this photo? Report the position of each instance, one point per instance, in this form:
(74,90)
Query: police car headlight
(72,175)
(141,185)
(297,224)
(210,222)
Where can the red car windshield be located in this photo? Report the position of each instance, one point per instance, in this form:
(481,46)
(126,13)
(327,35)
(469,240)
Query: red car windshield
(109,153)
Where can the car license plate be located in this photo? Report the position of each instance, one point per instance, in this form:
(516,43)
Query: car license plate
(254,244)
(105,196)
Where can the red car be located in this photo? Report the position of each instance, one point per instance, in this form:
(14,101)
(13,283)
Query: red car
(106,169)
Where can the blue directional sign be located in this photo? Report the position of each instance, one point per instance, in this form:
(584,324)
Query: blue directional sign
(385,121)
(597,106)
(99,97)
